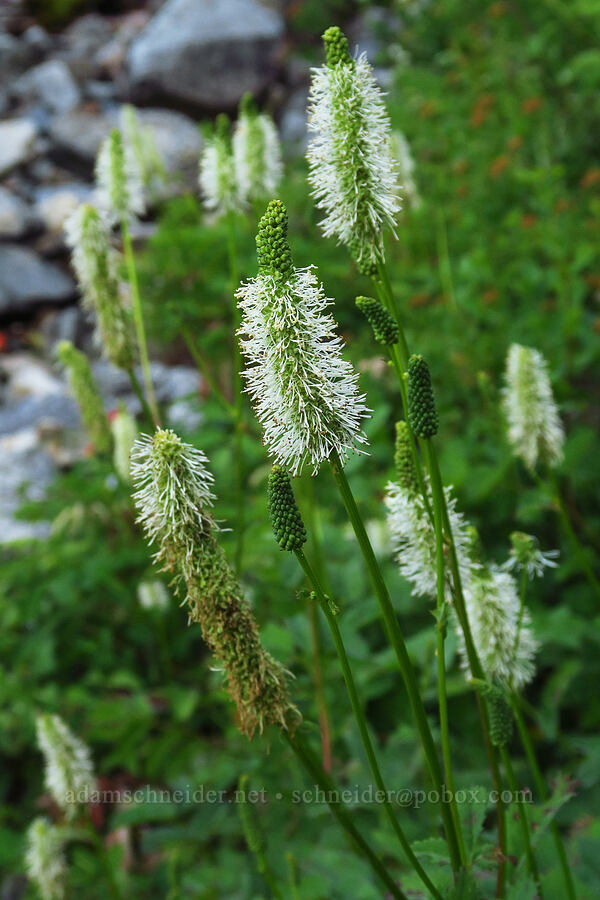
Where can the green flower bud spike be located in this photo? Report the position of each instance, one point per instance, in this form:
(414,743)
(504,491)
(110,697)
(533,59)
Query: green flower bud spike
(336,47)
(501,717)
(422,415)
(247,105)
(403,459)
(286,520)
(385,327)
(274,254)
(222,128)
(86,394)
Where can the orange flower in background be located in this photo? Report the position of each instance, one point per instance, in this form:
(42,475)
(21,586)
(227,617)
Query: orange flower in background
(515,142)
(480,110)
(418,300)
(597,324)
(590,178)
(490,296)
(462,190)
(428,109)
(561,205)
(460,166)
(498,165)
(593,280)
(496,10)
(528,220)
(532,104)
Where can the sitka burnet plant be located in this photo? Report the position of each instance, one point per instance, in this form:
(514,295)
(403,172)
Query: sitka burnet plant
(256,153)
(351,169)
(174,498)
(305,394)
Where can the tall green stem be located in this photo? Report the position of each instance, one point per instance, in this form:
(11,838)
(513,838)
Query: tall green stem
(237,396)
(438,505)
(523,820)
(578,549)
(444,259)
(327,785)
(543,792)
(137,389)
(396,639)
(362,723)
(202,367)
(391,304)
(138,319)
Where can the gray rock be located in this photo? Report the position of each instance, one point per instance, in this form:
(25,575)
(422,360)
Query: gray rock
(37,38)
(26,469)
(206,54)
(16,218)
(50,84)
(27,281)
(293,123)
(17,143)
(55,204)
(83,39)
(79,133)
(57,410)
(13,59)
(171,384)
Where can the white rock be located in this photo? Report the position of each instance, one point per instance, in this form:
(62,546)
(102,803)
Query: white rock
(50,84)
(17,143)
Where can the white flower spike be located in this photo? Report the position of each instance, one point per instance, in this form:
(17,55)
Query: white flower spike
(305,395)
(119,181)
(45,859)
(256,153)
(535,431)
(69,768)
(525,555)
(351,168)
(217,171)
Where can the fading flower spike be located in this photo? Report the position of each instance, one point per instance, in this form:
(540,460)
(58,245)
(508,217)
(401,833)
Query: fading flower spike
(304,393)
(384,325)
(535,431)
(256,153)
(286,520)
(69,769)
(217,171)
(85,391)
(96,266)
(501,717)
(500,627)
(351,170)
(525,555)
(119,183)
(403,459)
(143,146)
(422,414)
(173,491)
(45,859)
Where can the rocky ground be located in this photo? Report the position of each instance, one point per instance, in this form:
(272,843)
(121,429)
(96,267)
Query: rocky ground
(60,93)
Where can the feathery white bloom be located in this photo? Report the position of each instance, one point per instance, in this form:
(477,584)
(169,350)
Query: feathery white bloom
(69,769)
(535,431)
(45,859)
(413,540)
(173,490)
(525,555)
(96,265)
(406,169)
(153,595)
(217,171)
(142,142)
(256,153)
(304,393)
(124,432)
(351,169)
(500,627)
(119,181)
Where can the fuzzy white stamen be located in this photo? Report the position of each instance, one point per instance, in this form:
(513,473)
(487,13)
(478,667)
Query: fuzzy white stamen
(119,181)
(69,769)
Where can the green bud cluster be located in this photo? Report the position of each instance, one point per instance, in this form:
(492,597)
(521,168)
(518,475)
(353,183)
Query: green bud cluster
(403,458)
(286,520)
(222,128)
(87,396)
(336,47)
(501,717)
(274,254)
(247,105)
(366,263)
(422,414)
(252,831)
(385,327)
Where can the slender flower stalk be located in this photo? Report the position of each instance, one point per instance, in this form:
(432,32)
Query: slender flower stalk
(86,393)
(290,534)
(45,859)
(306,397)
(254,835)
(121,200)
(256,154)
(351,169)
(69,769)
(174,498)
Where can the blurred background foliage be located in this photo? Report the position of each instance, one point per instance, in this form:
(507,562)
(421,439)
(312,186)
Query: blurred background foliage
(500,105)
